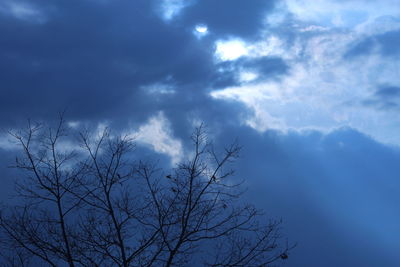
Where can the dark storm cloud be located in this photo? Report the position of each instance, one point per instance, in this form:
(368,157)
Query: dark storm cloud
(93,57)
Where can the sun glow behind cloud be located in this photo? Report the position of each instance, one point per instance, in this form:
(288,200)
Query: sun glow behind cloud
(230,49)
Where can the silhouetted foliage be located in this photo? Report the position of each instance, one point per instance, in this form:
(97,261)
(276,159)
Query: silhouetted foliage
(94,206)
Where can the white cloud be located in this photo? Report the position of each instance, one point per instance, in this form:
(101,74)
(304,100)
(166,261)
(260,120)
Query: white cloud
(348,13)
(269,46)
(380,25)
(157,133)
(322,89)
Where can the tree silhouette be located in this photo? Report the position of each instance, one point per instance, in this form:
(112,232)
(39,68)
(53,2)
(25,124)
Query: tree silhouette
(95,206)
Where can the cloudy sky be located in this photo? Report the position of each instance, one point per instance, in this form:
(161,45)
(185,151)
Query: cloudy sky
(311,89)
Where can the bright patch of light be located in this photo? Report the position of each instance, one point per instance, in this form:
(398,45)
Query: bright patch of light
(230,50)
(200,30)
(247,76)
(233,49)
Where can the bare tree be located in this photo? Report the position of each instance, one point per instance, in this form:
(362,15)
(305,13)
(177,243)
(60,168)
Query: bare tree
(41,225)
(94,206)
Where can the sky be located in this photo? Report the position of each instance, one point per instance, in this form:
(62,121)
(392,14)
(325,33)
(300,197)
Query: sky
(311,89)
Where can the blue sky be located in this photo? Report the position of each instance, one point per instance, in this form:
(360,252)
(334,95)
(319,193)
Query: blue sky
(310,88)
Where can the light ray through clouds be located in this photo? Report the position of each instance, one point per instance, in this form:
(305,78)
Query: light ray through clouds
(323,90)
